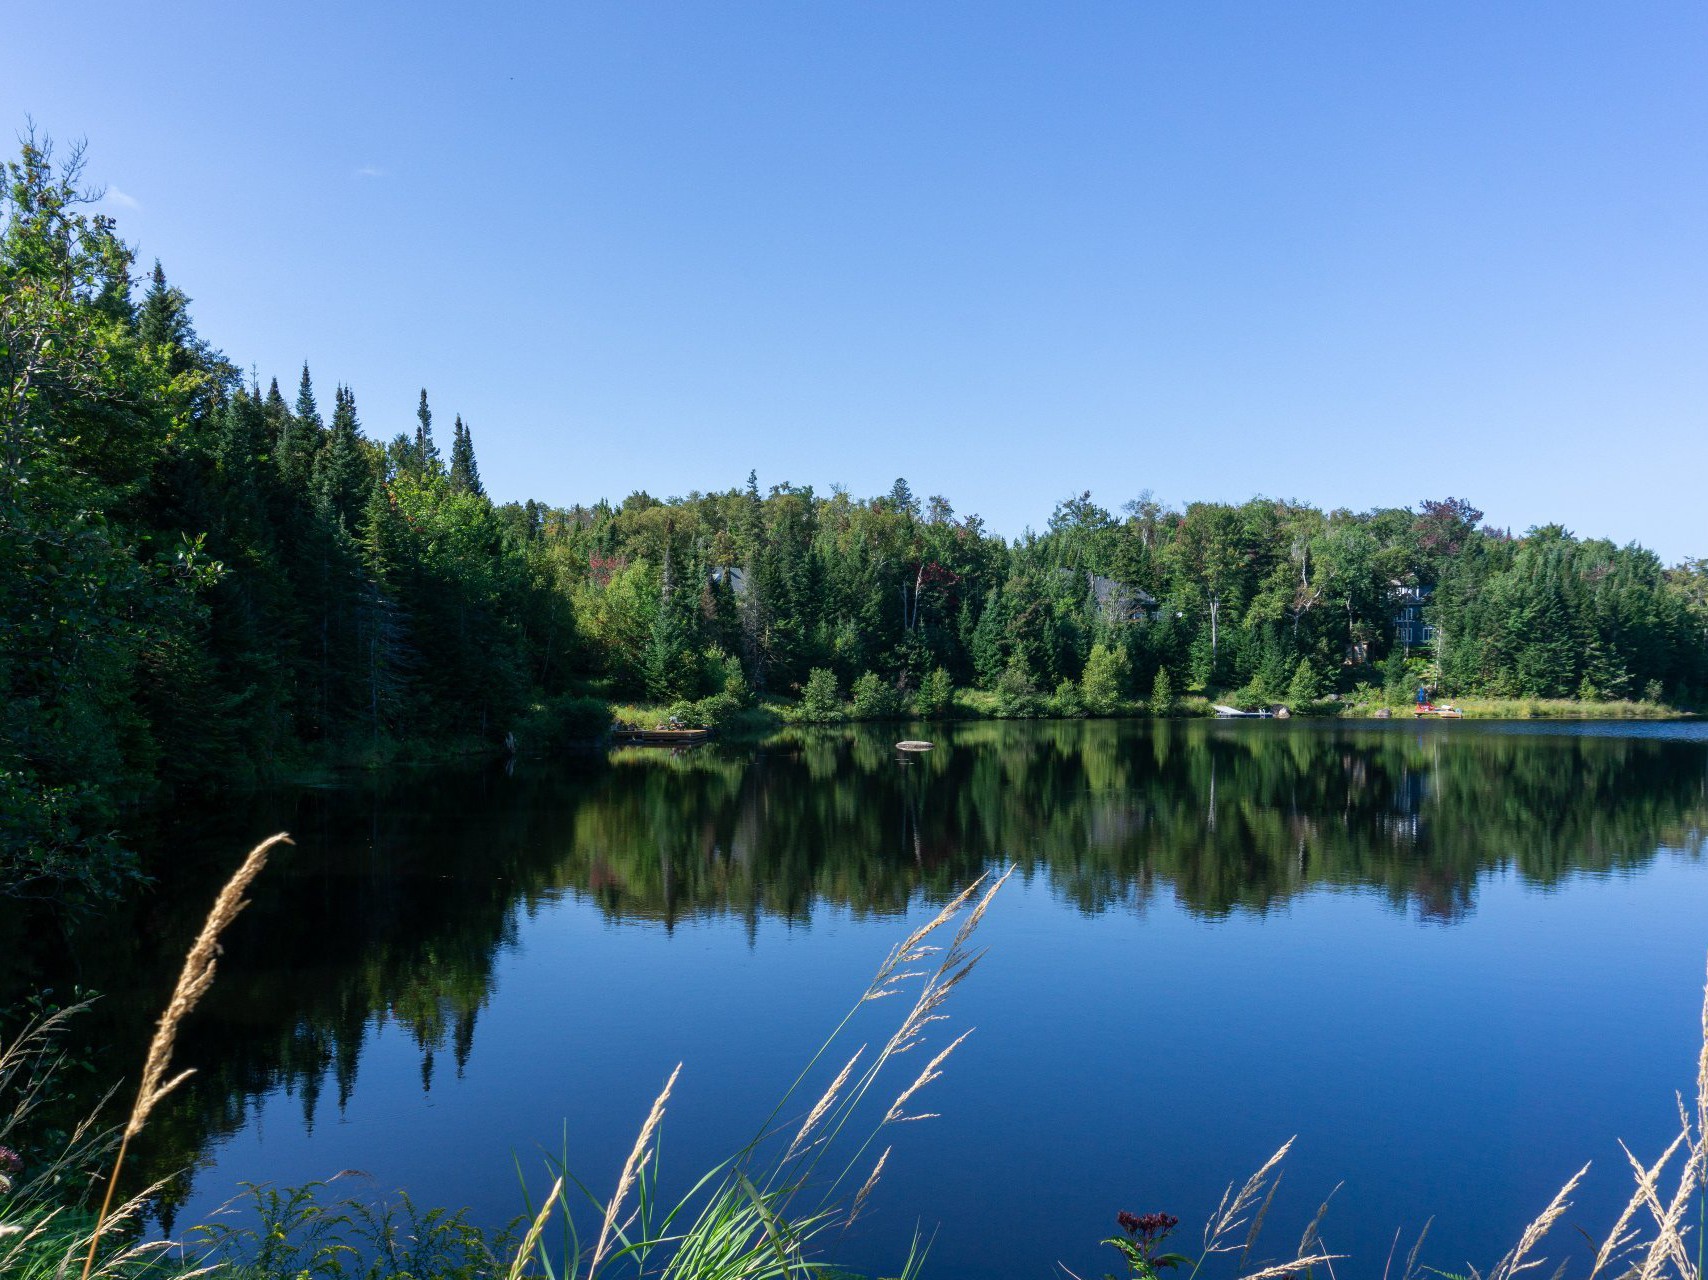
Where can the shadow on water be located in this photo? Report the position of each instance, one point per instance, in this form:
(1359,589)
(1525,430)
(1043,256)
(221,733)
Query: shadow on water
(405,890)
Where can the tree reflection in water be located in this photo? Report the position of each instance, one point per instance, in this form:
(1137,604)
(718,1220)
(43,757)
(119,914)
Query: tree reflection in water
(404,891)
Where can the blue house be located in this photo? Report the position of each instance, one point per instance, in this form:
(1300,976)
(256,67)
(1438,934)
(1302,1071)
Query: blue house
(1409,627)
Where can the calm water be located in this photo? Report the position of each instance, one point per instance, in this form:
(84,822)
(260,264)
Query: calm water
(1456,960)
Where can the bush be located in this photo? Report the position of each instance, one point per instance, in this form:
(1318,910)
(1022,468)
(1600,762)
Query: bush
(873,699)
(1067,701)
(1162,693)
(1304,687)
(559,721)
(820,699)
(1016,696)
(1397,685)
(936,695)
(1105,679)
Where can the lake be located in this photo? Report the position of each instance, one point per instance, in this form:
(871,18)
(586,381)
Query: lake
(1456,960)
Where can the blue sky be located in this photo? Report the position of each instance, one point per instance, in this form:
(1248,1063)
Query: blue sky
(1354,254)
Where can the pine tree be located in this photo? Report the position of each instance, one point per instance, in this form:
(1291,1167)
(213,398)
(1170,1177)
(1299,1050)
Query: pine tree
(341,475)
(308,412)
(426,452)
(164,320)
(1162,693)
(465,473)
(300,437)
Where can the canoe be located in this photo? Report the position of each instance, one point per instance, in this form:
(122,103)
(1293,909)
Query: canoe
(1444,713)
(1234,713)
(914,745)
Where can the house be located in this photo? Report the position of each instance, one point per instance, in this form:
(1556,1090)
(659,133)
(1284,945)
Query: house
(1128,604)
(1409,627)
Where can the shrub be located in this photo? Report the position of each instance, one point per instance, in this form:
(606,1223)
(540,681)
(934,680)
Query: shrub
(873,699)
(1304,687)
(936,695)
(1162,693)
(1105,679)
(559,721)
(1397,683)
(820,699)
(1016,695)
(1067,701)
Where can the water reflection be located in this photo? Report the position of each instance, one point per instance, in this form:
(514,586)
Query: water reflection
(402,894)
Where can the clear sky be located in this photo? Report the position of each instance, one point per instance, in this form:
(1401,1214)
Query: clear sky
(1357,254)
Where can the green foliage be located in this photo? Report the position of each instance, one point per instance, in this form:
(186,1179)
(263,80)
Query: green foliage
(1104,683)
(563,721)
(821,701)
(1162,693)
(1140,1245)
(1067,701)
(874,699)
(935,696)
(1304,687)
(1399,681)
(201,583)
(1016,695)
(301,1232)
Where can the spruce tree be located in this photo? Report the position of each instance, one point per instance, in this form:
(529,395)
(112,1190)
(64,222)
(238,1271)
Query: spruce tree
(465,474)
(300,437)
(426,452)
(164,320)
(308,412)
(341,475)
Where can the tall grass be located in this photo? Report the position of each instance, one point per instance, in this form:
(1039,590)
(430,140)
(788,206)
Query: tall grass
(768,1212)
(1658,1235)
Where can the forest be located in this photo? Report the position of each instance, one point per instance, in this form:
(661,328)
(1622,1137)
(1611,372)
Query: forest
(205,581)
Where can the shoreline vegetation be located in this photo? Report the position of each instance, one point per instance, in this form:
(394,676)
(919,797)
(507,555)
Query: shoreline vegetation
(207,582)
(768,1211)
(594,721)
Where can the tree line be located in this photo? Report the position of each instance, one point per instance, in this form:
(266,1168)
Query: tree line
(204,580)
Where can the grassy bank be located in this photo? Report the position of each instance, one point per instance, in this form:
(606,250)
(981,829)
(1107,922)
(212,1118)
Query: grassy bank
(771,713)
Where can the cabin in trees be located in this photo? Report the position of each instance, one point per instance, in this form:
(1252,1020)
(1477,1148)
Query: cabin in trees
(1122,602)
(1410,629)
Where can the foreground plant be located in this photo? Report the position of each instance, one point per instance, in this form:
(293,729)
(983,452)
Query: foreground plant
(1650,1240)
(1141,1242)
(767,1211)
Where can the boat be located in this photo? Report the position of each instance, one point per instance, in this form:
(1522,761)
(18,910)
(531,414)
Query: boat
(1443,712)
(660,737)
(913,744)
(1234,713)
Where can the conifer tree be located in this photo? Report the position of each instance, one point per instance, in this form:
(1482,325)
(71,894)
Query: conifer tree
(465,473)
(164,320)
(300,437)
(308,412)
(426,452)
(341,475)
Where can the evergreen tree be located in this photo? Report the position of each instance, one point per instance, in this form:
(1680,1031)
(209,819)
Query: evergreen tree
(465,474)
(300,437)
(341,475)
(164,320)
(1162,693)
(426,452)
